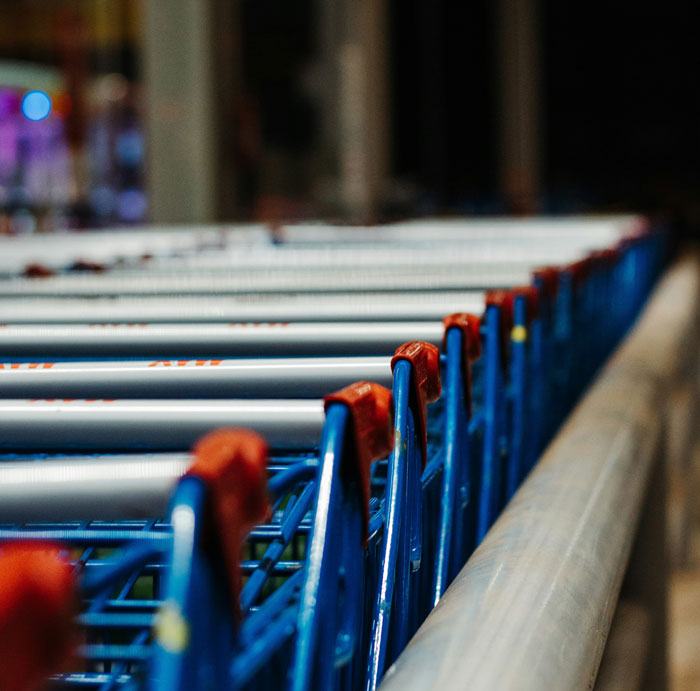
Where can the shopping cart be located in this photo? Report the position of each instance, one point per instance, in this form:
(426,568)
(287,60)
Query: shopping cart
(404,467)
(184,569)
(321,618)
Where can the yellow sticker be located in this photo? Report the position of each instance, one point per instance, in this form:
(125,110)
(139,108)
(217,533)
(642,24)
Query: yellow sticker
(172,629)
(518,334)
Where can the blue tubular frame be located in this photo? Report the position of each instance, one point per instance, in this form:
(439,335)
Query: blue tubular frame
(193,599)
(334,552)
(395,507)
(455,537)
(394,559)
(494,414)
(518,385)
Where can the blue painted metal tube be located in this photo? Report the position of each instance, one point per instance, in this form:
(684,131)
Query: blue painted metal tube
(406,592)
(518,376)
(183,659)
(293,514)
(456,456)
(395,508)
(537,388)
(316,628)
(133,557)
(491,463)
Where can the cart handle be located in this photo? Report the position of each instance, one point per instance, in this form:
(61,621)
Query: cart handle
(232,464)
(371,436)
(38,603)
(425,385)
(549,277)
(470,326)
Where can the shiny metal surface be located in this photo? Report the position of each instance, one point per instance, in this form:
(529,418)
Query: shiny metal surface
(85,488)
(532,607)
(606,229)
(245,378)
(152,424)
(463,257)
(58,251)
(214,340)
(365,306)
(399,279)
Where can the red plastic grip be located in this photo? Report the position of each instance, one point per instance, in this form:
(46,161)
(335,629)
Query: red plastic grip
(38,603)
(425,385)
(606,257)
(549,276)
(580,270)
(503,299)
(232,463)
(372,435)
(469,325)
(38,271)
(85,266)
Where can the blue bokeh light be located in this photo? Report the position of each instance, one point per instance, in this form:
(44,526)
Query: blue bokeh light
(36,105)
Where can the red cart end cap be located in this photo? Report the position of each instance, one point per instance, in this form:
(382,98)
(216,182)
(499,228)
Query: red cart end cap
(469,325)
(372,434)
(38,603)
(503,299)
(606,257)
(232,463)
(425,387)
(38,271)
(580,270)
(549,276)
(85,266)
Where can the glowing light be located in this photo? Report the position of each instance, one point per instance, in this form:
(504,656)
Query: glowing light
(36,105)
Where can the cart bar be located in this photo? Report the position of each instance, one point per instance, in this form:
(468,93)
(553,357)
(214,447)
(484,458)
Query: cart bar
(454,257)
(213,340)
(85,488)
(247,378)
(403,279)
(58,251)
(121,425)
(367,306)
(604,229)
(532,607)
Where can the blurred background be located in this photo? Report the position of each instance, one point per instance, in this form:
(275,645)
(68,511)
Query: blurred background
(210,110)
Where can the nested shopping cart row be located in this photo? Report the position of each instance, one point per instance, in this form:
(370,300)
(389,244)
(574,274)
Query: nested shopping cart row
(354,553)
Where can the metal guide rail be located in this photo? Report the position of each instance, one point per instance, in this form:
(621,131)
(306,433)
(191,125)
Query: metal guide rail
(367,528)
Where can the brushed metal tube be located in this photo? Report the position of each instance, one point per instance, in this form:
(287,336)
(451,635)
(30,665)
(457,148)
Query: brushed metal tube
(403,279)
(220,340)
(366,306)
(89,488)
(272,378)
(166,425)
